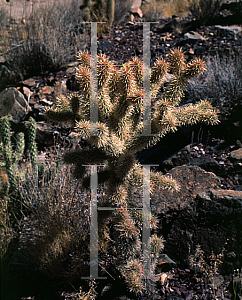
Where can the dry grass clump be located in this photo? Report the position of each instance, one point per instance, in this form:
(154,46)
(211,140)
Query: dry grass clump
(54,234)
(207,272)
(46,233)
(121,9)
(203,10)
(221,83)
(155,9)
(48,36)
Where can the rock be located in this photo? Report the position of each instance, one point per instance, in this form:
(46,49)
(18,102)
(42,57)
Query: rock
(45,136)
(2,59)
(136,11)
(13,102)
(219,223)
(71,70)
(236,155)
(191,37)
(199,50)
(46,90)
(214,223)
(228,31)
(184,157)
(167,27)
(207,163)
(181,157)
(193,180)
(38,113)
(27,92)
(45,102)
(30,82)
(69,65)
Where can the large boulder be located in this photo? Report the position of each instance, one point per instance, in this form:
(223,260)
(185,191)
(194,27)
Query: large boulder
(192,180)
(200,213)
(13,102)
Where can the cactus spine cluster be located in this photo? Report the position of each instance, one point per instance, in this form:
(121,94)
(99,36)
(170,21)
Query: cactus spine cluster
(120,92)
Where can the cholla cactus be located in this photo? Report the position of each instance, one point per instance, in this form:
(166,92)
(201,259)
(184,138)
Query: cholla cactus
(119,138)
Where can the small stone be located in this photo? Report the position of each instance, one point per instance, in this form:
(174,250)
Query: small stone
(191,51)
(29,82)
(27,92)
(47,90)
(236,154)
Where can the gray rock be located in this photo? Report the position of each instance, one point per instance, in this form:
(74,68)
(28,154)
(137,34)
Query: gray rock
(207,163)
(228,31)
(13,102)
(191,37)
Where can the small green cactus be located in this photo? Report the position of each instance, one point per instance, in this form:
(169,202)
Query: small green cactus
(32,143)
(11,153)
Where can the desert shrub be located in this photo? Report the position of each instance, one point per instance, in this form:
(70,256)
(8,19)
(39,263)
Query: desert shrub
(55,232)
(51,239)
(154,10)
(208,273)
(221,83)
(121,9)
(51,36)
(203,10)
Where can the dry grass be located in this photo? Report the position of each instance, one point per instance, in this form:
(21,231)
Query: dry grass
(42,36)
(203,10)
(154,10)
(47,234)
(221,83)
(55,229)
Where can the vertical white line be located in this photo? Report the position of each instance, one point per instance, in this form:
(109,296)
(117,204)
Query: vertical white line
(94,82)
(146,80)
(94,226)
